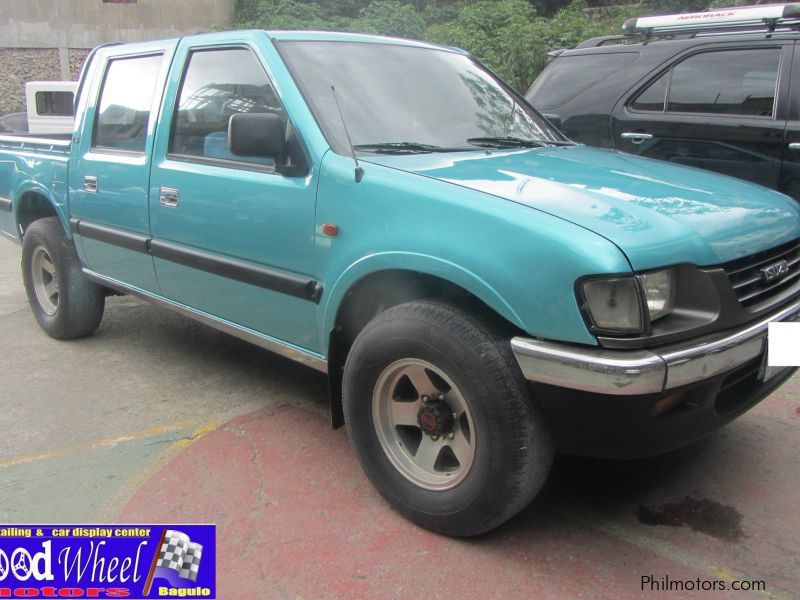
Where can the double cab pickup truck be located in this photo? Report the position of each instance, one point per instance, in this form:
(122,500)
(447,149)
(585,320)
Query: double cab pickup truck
(481,291)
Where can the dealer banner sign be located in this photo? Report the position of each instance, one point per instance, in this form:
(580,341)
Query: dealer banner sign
(107,561)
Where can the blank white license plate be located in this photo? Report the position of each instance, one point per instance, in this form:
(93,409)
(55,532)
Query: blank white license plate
(765,372)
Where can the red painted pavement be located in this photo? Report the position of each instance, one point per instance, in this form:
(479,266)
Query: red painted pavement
(296,517)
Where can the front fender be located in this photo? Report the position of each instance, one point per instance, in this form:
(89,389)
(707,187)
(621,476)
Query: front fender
(420,263)
(519,261)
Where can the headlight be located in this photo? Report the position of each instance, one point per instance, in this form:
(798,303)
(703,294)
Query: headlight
(659,292)
(613,304)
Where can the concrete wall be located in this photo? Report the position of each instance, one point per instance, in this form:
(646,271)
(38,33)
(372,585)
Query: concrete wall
(87,23)
(19,65)
(48,39)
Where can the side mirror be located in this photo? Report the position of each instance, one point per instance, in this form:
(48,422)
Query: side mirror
(257,134)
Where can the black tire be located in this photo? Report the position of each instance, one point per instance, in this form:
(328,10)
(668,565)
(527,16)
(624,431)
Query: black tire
(513,451)
(78,308)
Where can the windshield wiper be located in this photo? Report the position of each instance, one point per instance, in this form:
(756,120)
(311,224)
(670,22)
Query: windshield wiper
(404,148)
(514,142)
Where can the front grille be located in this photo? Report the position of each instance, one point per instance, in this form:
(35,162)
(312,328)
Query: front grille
(752,287)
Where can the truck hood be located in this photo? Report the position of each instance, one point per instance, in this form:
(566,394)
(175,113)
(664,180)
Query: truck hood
(657,213)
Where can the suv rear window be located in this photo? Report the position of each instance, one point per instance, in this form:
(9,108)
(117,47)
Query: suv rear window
(568,76)
(725,82)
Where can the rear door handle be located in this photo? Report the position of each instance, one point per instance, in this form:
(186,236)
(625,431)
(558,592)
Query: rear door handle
(170,197)
(90,184)
(794,146)
(636,137)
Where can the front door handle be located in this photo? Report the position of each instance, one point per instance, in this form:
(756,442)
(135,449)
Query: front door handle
(90,184)
(794,146)
(170,197)
(636,137)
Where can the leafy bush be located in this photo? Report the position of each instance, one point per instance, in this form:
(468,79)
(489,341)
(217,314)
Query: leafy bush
(509,36)
(390,17)
(284,14)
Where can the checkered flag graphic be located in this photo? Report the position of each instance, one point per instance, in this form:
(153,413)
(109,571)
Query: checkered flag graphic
(180,554)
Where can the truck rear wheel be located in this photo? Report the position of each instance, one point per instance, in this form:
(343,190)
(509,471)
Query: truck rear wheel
(65,303)
(441,419)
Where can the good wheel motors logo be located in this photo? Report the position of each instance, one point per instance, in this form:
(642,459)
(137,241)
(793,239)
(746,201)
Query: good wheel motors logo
(23,565)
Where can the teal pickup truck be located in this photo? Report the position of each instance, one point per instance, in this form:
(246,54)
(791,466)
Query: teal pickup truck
(481,291)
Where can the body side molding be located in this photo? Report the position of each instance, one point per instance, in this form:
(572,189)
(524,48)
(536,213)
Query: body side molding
(284,283)
(270,279)
(110,235)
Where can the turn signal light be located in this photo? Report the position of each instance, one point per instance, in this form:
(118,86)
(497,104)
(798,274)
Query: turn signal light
(330,229)
(668,403)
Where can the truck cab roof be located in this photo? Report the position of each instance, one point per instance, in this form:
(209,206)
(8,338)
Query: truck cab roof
(293,35)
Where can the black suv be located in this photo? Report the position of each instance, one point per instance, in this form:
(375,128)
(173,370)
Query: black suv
(719,96)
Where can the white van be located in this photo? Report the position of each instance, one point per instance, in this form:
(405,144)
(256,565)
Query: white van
(50,106)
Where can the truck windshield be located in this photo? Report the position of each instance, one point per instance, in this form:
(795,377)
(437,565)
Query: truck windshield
(404,99)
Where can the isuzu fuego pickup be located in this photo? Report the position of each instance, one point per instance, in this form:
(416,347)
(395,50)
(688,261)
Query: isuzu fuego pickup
(481,291)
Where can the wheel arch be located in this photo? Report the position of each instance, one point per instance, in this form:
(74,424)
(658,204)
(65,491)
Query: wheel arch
(35,202)
(374,284)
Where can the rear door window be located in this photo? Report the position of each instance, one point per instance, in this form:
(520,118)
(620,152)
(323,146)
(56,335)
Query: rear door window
(653,98)
(569,76)
(126,99)
(734,82)
(721,82)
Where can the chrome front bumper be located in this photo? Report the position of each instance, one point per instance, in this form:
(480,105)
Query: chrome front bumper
(637,372)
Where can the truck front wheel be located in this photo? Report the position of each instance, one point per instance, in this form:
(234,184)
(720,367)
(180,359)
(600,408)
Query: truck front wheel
(441,419)
(66,304)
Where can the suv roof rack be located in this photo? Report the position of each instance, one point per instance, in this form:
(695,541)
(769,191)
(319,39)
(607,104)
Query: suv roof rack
(622,39)
(645,38)
(728,19)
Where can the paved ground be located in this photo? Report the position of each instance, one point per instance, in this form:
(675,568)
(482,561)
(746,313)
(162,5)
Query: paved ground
(109,427)
(85,418)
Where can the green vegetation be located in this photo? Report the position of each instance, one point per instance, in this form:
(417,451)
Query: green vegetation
(510,36)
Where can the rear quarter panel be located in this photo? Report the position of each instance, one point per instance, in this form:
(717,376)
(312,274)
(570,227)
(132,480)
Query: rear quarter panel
(31,168)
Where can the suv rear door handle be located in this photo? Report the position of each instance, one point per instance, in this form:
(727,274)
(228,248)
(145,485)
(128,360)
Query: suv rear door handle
(636,137)
(794,146)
